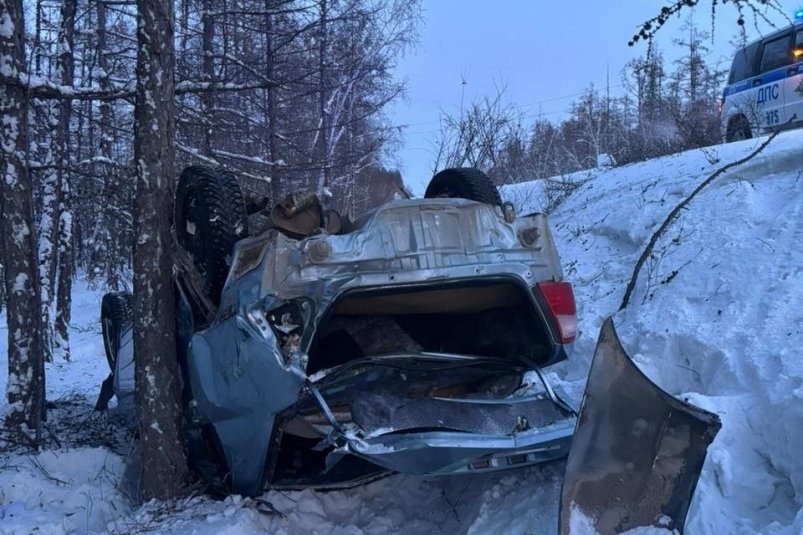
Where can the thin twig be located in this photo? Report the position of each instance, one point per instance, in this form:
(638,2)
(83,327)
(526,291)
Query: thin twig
(44,472)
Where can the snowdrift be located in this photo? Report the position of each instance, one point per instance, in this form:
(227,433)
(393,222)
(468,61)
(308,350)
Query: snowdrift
(717,313)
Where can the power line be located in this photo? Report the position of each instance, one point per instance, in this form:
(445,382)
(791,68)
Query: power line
(524,108)
(564,97)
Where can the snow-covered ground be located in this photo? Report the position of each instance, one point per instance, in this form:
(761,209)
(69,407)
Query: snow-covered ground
(716,319)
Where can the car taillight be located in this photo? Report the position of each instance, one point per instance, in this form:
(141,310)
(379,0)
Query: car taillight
(560,300)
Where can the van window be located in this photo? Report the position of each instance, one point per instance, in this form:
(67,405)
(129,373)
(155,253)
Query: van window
(797,52)
(776,54)
(743,63)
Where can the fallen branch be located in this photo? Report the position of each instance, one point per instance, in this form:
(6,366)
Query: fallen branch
(676,211)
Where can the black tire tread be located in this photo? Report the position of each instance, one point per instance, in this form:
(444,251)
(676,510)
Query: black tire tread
(464,182)
(119,308)
(219,191)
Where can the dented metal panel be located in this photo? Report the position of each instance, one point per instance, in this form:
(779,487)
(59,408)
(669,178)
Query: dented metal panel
(402,241)
(443,452)
(239,384)
(637,451)
(393,411)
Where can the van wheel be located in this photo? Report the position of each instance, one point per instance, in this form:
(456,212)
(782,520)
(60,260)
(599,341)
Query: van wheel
(738,129)
(210,217)
(465,183)
(116,315)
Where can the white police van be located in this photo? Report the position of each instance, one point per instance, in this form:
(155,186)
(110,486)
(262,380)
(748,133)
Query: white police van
(765,88)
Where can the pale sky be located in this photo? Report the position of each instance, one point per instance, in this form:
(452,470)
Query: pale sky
(545,52)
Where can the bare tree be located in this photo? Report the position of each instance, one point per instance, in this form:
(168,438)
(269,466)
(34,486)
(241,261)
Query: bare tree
(324,91)
(208,75)
(26,372)
(165,472)
(696,89)
(46,149)
(271,114)
(64,228)
(252,76)
(109,228)
(478,136)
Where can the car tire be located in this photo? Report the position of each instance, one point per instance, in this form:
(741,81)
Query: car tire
(210,217)
(738,130)
(116,315)
(465,183)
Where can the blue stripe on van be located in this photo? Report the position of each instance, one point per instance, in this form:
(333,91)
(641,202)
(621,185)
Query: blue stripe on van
(766,78)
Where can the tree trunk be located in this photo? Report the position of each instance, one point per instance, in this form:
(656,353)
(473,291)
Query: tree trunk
(185,28)
(323,180)
(109,242)
(164,467)
(26,370)
(48,143)
(207,75)
(64,230)
(272,116)
(66,273)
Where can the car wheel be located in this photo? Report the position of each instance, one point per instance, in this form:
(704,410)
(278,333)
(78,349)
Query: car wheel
(465,183)
(116,315)
(738,129)
(210,217)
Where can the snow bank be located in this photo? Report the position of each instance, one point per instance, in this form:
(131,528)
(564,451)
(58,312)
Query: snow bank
(716,317)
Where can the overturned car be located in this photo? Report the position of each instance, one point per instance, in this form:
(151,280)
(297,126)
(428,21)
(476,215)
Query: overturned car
(316,351)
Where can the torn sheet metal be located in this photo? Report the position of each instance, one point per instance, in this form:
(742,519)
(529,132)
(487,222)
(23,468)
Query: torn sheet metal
(637,451)
(431,434)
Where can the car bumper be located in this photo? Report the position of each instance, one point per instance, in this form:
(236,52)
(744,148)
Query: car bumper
(439,452)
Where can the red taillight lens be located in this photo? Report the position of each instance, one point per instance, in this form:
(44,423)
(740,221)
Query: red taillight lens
(560,299)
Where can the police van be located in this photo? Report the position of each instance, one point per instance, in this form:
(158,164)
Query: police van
(765,87)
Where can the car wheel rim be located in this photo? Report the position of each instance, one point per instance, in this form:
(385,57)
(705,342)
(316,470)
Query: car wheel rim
(191,227)
(110,338)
